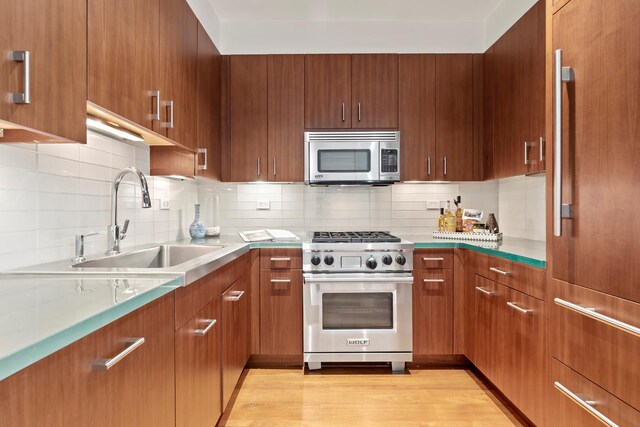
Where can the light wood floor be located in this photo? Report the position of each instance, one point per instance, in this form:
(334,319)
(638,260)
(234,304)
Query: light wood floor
(283,397)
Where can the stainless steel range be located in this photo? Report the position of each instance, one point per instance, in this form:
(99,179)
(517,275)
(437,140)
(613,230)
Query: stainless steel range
(357,298)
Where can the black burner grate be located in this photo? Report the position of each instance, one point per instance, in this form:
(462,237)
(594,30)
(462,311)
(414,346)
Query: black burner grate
(353,237)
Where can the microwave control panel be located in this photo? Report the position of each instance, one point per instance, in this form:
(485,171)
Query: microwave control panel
(389,160)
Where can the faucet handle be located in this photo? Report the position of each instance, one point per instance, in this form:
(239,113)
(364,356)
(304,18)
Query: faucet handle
(125,227)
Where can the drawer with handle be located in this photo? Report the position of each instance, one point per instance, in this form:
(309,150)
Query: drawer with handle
(433,258)
(576,401)
(279,259)
(597,335)
(521,277)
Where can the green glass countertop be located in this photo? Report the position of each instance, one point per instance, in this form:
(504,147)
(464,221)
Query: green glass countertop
(525,251)
(39,315)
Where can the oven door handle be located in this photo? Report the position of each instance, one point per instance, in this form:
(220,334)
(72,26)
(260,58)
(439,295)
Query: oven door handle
(310,281)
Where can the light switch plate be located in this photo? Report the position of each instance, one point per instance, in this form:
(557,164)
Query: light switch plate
(164,204)
(263,205)
(433,205)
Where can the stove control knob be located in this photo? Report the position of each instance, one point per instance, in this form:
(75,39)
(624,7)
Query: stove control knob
(387,260)
(400,259)
(315,260)
(371,263)
(328,260)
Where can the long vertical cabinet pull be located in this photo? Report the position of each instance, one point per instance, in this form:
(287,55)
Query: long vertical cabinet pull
(429,166)
(274,166)
(155,115)
(359,112)
(343,113)
(561,75)
(259,169)
(25,57)
(444,165)
(203,151)
(169,124)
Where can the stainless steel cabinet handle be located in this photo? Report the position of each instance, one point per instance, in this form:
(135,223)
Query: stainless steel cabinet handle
(343,113)
(484,291)
(593,314)
(561,75)
(23,56)
(444,161)
(588,406)
(235,297)
(527,144)
(203,332)
(517,307)
(504,273)
(106,364)
(541,149)
(156,115)
(274,166)
(203,167)
(280,280)
(433,280)
(259,171)
(433,259)
(169,124)
(429,165)
(359,112)
(281,259)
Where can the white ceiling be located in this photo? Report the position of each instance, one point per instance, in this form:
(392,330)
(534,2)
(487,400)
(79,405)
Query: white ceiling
(357,26)
(353,10)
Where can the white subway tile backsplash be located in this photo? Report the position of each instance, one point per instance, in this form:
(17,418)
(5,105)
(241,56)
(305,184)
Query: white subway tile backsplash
(17,156)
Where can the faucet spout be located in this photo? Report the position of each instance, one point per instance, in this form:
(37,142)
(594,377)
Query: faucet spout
(114,234)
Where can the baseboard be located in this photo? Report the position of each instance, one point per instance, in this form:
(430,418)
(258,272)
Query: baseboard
(437,361)
(275,361)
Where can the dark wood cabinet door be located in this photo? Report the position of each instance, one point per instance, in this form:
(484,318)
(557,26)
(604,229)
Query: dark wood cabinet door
(490,345)
(374,91)
(178,71)
(417,116)
(454,118)
(123,57)
(248,118)
(209,106)
(285,160)
(327,82)
(281,312)
(600,133)
(236,334)
(525,354)
(433,312)
(198,368)
(54,32)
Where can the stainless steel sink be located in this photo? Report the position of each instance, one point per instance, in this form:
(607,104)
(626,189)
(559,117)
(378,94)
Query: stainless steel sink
(162,256)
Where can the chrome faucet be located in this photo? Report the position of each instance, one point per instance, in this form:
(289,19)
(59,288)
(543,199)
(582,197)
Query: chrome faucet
(114,233)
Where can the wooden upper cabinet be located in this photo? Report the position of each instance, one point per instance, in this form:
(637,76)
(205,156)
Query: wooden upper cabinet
(209,106)
(417,116)
(516,88)
(123,57)
(54,32)
(178,72)
(248,135)
(285,111)
(327,91)
(454,118)
(374,91)
(600,133)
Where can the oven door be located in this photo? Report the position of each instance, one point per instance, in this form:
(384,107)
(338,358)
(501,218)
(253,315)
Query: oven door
(356,313)
(343,161)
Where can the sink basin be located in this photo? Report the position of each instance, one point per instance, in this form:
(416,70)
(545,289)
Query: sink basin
(156,257)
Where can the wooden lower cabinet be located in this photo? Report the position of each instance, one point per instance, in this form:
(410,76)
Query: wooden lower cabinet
(281,313)
(510,344)
(198,368)
(236,334)
(63,390)
(571,392)
(433,312)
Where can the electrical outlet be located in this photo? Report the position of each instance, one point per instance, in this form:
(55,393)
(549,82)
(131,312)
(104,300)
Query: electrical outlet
(263,205)
(433,205)
(164,204)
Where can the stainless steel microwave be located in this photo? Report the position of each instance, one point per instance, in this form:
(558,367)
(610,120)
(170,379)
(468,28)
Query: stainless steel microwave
(370,158)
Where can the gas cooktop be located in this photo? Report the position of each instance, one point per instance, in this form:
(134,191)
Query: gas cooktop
(354,237)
